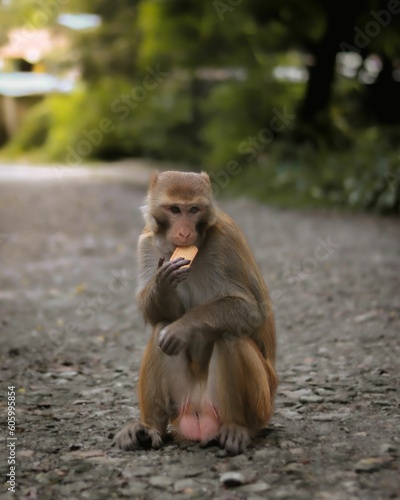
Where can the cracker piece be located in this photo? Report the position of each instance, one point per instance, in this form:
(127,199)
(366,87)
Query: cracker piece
(188,253)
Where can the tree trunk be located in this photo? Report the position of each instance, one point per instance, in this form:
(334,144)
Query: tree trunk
(383,95)
(341,19)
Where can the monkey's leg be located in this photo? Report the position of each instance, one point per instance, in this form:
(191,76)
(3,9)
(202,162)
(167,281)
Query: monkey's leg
(242,384)
(153,400)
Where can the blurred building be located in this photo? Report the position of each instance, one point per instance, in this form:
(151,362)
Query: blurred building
(36,62)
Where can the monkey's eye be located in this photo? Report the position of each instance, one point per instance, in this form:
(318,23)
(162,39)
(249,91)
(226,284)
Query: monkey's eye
(194,210)
(175,210)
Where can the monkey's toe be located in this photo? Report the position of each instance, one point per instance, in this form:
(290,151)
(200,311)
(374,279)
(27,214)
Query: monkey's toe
(234,438)
(135,435)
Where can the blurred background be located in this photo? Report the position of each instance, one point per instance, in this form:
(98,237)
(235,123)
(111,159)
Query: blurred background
(294,103)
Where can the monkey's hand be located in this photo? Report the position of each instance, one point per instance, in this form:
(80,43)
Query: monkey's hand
(171,273)
(173,339)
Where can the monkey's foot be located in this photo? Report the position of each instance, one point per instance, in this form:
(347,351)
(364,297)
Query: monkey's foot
(234,438)
(136,435)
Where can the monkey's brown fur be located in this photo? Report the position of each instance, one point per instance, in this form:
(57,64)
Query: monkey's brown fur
(209,366)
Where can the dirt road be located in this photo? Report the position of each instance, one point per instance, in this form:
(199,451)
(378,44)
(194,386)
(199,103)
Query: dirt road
(71,341)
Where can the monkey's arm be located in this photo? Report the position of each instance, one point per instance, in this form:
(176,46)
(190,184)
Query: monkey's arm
(226,317)
(157,296)
(239,305)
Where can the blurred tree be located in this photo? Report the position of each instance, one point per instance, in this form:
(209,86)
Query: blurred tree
(110,49)
(220,86)
(247,34)
(339,19)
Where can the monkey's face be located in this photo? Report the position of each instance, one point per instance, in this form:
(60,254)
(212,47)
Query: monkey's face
(179,209)
(181,225)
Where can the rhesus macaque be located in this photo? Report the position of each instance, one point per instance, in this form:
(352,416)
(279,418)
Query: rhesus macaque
(208,369)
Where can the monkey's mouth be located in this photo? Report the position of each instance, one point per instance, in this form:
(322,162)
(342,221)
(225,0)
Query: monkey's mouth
(174,246)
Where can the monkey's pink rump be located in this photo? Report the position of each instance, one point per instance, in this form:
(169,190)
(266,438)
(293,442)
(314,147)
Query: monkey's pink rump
(202,426)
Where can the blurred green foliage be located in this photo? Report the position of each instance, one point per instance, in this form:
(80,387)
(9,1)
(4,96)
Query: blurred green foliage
(191,83)
(365,176)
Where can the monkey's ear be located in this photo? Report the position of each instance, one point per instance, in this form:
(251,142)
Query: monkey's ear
(153,179)
(206,177)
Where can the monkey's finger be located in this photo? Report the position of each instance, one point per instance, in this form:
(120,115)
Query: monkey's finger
(162,335)
(170,267)
(237,441)
(126,438)
(223,434)
(181,277)
(179,274)
(156,440)
(171,345)
(167,345)
(164,340)
(232,444)
(160,262)
(180,259)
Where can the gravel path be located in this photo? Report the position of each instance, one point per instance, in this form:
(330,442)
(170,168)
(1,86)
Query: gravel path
(71,340)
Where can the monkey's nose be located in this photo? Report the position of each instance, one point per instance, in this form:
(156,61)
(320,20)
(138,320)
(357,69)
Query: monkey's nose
(184,235)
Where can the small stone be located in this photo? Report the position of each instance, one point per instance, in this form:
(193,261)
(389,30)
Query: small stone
(193,471)
(297,451)
(297,394)
(290,414)
(175,471)
(372,464)
(220,467)
(365,317)
(221,454)
(185,486)
(67,374)
(262,454)
(285,444)
(239,460)
(161,481)
(329,417)
(83,454)
(360,434)
(313,398)
(135,490)
(293,468)
(142,471)
(255,487)
(25,453)
(387,449)
(342,398)
(232,479)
